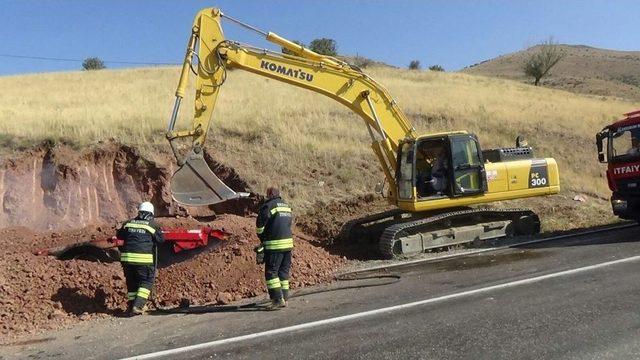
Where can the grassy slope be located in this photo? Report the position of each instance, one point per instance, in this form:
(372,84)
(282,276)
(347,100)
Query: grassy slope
(314,148)
(584,70)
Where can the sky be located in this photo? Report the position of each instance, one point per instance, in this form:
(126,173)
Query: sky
(450,33)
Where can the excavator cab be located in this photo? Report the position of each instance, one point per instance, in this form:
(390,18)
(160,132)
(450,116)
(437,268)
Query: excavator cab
(441,166)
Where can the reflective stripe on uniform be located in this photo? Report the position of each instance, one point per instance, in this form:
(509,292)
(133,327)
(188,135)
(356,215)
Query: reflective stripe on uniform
(136,258)
(140,226)
(273,283)
(143,293)
(280,209)
(260,230)
(281,244)
(131,295)
(284,284)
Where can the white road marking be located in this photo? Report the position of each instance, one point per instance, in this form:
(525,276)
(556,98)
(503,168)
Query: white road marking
(389,309)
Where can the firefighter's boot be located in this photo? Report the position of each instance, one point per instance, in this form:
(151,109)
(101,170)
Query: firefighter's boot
(276,305)
(135,310)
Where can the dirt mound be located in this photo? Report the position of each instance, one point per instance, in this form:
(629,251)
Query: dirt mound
(40,292)
(230,272)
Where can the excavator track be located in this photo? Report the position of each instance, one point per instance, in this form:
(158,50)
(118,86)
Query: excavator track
(455,228)
(351,227)
(396,233)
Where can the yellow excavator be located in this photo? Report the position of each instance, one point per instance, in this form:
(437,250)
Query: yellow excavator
(432,179)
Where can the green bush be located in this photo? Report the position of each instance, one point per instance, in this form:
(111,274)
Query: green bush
(414,65)
(324,46)
(93,63)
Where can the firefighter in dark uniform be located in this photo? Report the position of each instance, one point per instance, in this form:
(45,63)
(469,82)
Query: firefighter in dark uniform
(273,227)
(137,256)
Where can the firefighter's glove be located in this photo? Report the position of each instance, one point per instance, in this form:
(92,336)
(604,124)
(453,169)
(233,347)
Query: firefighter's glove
(259,254)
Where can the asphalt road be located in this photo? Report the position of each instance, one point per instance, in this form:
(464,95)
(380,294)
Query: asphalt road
(543,301)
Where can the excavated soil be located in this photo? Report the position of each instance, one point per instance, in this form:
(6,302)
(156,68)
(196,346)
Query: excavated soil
(54,187)
(53,196)
(41,292)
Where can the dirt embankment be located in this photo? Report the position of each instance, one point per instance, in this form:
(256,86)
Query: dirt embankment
(327,218)
(54,187)
(54,196)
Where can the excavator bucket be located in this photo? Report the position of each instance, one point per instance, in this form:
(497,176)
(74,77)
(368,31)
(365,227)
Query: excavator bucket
(194,184)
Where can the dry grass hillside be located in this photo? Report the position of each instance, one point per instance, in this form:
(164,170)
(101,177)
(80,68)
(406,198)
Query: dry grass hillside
(274,133)
(584,69)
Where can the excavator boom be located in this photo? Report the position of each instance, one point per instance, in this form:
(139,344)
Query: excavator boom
(194,183)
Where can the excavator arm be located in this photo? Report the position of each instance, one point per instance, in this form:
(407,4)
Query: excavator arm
(209,55)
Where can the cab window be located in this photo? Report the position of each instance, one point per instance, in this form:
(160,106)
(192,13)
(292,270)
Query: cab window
(405,171)
(467,166)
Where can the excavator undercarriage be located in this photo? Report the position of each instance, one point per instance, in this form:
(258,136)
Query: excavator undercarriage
(396,233)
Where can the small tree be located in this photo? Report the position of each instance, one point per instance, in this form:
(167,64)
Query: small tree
(545,57)
(324,46)
(436,68)
(414,65)
(93,63)
(288,52)
(361,62)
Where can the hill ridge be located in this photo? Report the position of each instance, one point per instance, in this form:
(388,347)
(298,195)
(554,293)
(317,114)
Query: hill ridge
(585,69)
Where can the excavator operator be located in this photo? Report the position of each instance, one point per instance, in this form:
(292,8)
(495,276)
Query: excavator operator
(439,171)
(273,227)
(432,170)
(137,256)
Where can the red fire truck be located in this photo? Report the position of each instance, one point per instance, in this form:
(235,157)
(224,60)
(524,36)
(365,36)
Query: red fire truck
(621,152)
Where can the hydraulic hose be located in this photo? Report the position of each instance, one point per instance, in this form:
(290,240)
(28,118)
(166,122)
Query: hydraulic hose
(350,276)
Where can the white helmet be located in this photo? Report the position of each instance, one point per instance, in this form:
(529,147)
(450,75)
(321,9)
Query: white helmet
(146,206)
